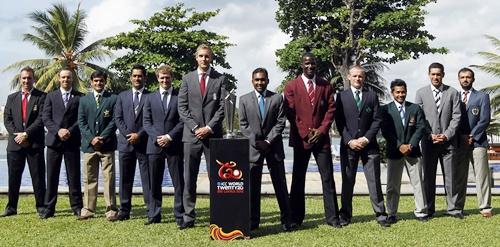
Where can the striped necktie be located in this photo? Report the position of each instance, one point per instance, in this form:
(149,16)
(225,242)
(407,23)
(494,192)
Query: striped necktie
(437,99)
(310,91)
(357,98)
(465,93)
(402,114)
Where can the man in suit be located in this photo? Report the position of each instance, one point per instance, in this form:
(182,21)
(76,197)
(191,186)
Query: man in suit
(262,120)
(201,108)
(358,123)
(97,126)
(441,105)
(403,125)
(23,121)
(60,115)
(309,106)
(132,140)
(473,142)
(164,128)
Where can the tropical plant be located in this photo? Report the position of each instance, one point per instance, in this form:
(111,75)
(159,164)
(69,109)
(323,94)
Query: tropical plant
(61,35)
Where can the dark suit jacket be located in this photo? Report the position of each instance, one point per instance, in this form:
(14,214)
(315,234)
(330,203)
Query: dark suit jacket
(95,121)
(196,110)
(396,134)
(157,123)
(475,117)
(56,116)
(353,123)
(303,116)
(269,128)
(128,122)
(34,125)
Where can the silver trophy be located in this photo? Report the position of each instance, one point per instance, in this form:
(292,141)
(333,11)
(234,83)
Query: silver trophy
(229,110)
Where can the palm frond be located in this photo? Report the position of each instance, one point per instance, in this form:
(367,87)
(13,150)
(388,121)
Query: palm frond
(34,63)
(98,54)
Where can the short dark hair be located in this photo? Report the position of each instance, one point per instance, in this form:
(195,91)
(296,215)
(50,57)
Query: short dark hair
(465,69)
(436,66)
(139,67)
(398,83)
(307,54)
(260,70)
(28,69)
(98,73)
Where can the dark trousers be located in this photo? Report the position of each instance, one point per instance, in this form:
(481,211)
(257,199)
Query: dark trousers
(156,170)
(277,172)
(73,175)
(192,159)
(128,162)
(16,162)
(371,167)
(323,158)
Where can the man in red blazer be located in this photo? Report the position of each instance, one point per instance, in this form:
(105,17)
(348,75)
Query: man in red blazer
(310,105)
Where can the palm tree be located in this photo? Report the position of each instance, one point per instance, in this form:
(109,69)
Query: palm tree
(61,35)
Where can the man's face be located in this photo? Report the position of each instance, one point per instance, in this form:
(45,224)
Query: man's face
(260,81)
(98,84)
(137,78)
(65,79)
(399,94)
(165,80)
(308,66)
(436,75)
(466,79)
(204,58)
(26,79)
(356,77)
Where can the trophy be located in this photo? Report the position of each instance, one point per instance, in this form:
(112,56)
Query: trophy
(229,110)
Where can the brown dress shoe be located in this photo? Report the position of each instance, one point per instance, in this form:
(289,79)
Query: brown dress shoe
(487,214)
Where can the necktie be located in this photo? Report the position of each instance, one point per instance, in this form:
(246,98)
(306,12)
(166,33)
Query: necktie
(437,99)
(24,105)
(402,114)
(202,84)
(136,102)
(357,98)
(310,91)
(465,93)
(165,101)
(66,99)
(98,100)
(262,107)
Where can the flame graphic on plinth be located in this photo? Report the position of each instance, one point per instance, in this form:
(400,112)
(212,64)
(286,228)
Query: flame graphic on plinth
(216,233)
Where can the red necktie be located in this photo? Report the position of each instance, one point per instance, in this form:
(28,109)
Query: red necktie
(202,84)
(24,105)
(310,91)
(465,97)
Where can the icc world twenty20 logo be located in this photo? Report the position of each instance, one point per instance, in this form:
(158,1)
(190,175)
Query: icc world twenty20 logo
(228,171)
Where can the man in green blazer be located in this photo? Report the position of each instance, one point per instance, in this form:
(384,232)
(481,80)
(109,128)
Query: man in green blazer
(97,126)
(403,125)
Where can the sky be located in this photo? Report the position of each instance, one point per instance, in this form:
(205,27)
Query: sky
(459,26)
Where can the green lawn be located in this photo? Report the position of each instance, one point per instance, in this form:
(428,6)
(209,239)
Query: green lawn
(26,229)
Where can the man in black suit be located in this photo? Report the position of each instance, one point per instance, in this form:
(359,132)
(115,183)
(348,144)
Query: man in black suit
(60,114)
(262,120)
(201,108)
(164,128)
(358,124)
(23,121)
(132,140)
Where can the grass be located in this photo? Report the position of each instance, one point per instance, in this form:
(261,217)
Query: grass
(26,229)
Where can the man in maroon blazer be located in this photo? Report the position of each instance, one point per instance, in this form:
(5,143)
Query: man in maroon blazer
(310,105)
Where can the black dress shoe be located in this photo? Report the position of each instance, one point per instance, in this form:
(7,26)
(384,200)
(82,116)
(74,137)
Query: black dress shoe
(122,216)
(392,219)
(344,221)
(152,221)
(77,212)
(186,225)
(336,224)
(383,223)
(423,218)
(458,216)
(47,214)
(289,227)
(8,212)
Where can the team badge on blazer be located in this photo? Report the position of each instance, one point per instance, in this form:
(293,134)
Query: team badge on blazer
(35,108)
(412,121)
(106,113)
(368,109)
(475,110)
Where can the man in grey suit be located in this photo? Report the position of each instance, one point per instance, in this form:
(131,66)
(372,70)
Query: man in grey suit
(403,125)
(262,120)
(201,108)
(473,142)
(441,105)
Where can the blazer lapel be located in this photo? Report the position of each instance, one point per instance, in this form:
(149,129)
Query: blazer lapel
(31,104)
(18,109)
(141,102)
(317,92)
(394,112)
(472,97)
(103,102)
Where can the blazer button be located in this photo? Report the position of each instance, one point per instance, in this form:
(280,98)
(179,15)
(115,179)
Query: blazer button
(96,122)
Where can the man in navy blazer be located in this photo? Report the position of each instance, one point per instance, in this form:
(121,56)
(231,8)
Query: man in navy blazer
(358,123)
(473,142)
(201,107)
(164,128)
(23,120)
(60,115)
(132,140)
